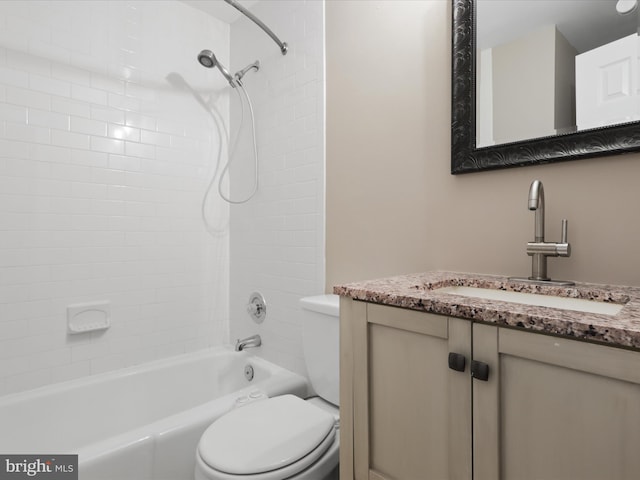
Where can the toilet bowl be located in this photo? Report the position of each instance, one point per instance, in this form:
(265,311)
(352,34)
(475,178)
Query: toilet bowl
(284,437)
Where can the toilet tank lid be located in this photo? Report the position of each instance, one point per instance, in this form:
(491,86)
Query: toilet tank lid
(328,304)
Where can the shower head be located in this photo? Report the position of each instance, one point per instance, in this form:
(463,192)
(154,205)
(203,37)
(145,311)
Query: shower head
(209,60)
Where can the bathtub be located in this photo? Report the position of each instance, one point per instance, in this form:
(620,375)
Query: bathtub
(139,423)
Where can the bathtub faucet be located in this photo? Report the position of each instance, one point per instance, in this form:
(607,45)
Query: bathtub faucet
(252,341)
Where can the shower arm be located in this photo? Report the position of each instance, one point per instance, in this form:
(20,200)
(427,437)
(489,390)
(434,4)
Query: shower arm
(257,21)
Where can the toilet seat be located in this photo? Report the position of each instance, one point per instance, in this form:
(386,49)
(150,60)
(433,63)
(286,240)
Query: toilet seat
(270,439)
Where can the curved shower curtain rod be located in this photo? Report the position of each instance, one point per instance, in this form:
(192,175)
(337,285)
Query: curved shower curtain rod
(257,21)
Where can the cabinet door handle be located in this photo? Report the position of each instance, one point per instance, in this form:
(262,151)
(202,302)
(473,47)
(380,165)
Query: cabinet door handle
(457,362)
(480,370)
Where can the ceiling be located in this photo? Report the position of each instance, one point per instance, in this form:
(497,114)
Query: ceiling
(220,9)
(586,24)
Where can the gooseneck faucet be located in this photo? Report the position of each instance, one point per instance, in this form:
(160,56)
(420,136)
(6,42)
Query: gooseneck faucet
(539,250)
(252,341)
(536,202)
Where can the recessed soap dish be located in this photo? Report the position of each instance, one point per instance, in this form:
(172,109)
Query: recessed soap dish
(88,317)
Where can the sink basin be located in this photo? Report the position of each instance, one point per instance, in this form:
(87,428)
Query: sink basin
(565,303)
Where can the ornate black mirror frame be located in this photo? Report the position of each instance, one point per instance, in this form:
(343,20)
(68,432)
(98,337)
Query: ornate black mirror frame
(465,157)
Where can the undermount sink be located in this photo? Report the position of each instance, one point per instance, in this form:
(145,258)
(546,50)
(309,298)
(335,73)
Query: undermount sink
(565,303)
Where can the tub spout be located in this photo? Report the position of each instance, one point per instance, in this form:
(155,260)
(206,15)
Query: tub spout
(252,341)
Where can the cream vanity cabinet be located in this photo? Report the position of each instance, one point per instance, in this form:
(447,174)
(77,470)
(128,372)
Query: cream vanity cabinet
(550,408)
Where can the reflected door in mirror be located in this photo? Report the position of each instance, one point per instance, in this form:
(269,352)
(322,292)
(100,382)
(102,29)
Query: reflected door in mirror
(608,84)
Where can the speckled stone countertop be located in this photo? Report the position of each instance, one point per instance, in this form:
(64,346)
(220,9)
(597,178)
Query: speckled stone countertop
(417,292)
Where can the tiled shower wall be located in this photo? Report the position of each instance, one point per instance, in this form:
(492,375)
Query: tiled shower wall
(277,238)
(108,138)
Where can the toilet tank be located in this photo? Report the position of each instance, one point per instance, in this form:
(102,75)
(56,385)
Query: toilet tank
(321,344)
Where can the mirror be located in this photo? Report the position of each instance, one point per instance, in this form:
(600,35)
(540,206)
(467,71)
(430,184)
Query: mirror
(501,114)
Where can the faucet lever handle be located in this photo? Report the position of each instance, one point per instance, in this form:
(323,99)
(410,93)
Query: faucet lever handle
(563,249)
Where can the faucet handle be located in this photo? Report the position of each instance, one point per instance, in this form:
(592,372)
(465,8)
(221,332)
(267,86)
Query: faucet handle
(564,248)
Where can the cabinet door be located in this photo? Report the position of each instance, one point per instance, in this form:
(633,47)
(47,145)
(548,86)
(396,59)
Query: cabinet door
(411,412)
(554,409)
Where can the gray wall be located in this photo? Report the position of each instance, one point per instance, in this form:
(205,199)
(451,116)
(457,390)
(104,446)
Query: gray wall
(392,205)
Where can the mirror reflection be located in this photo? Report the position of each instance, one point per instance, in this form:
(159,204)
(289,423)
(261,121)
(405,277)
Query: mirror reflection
(550,67)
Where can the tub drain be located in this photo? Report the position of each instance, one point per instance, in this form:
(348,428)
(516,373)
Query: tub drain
(248,372)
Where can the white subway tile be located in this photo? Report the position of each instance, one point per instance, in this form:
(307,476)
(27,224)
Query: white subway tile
(108,176)
(69,271)
(183,143)
(69,139)
(49,324)
(122,132)
(140,150)
(48,290)
(103,82)
(307,75)
(49,119)
(134,119)
(71,173)
(27,381)
(16,78)
(14,366)
(50,85)
(12,293)
(17,60)
(27,98)
(71,74)
(89,95)
(24,274)
(10,149)
(89,351)
(27,133)
(92,159)
(90,127)
(71,371)
(123,102)
(48,221)
(13,113)
(123,162)
(170,126)
(25,310)
(70,107)
(305,107)
(107,145)
(108,114)
(87,208)
(154,138)
(141,92)
(50,358)
(43,48)
(88,190)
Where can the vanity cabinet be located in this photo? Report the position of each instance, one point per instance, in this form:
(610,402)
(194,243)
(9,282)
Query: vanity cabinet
(404,414)
(550,408)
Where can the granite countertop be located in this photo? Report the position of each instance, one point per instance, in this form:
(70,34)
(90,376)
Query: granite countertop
(416,292)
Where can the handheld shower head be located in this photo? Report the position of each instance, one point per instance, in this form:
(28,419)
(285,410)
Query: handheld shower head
(208,59)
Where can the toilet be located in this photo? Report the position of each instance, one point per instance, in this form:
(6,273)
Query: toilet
(284,437)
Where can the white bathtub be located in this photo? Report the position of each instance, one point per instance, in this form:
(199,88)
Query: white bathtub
(139,423)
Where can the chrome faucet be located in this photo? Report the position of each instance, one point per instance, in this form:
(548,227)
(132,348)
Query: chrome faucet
(252,341)
(539,250)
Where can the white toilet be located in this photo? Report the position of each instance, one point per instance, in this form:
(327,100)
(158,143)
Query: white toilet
(284,437)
